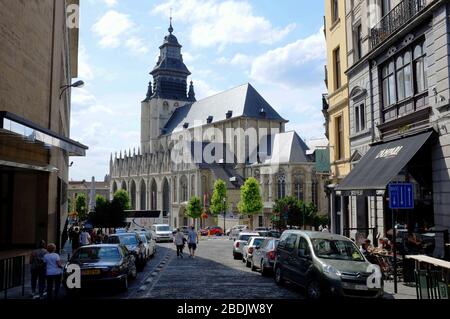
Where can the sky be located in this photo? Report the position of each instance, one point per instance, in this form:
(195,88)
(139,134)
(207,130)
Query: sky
(277,46)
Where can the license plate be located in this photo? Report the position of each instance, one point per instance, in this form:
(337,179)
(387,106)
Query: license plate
(90,272)
(355,286)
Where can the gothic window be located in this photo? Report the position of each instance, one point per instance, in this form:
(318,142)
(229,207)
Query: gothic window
(184,189)
(314,191)
(175,194)
(298,186)
(281,185)
(192,185)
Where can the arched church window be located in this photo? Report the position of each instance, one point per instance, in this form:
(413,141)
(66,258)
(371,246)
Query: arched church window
(281,185)
(298,186)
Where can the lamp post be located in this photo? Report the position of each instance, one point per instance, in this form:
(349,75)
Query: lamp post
(224,214)
(77,84)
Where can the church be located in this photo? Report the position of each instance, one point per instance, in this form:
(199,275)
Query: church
(186,145)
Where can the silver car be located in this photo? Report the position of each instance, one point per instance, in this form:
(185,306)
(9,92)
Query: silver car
(149,243)
(236,230)
(249,249)
(240,242)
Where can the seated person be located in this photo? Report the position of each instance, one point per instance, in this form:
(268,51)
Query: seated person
(369,246)
(413,244)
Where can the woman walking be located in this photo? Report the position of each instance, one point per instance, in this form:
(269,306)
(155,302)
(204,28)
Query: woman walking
(53,271)
(179,242)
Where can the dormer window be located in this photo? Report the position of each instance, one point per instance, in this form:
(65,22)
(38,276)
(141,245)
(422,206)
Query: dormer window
(262,112)
(209,119)
(186,125)
(229,114)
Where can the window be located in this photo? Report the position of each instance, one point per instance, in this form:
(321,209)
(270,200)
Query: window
(298,186)
(337,68)
(281,185)
(314,191)
(303,247)
(290,242)
(388,79)
(360,118)
(403,75)
(339,143)
(260,221)
(420,70)
(358,42)
(334,10)
(385,7)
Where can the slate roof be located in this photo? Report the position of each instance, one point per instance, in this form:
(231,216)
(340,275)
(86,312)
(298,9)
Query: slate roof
(288,147)
(243,100)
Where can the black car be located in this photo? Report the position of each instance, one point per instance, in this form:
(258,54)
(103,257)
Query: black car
(104,263)
(134,244)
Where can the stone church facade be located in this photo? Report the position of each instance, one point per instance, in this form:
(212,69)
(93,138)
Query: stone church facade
(186,145)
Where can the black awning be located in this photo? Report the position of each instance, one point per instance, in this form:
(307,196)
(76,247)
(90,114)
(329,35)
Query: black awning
(382,163)
(143,213)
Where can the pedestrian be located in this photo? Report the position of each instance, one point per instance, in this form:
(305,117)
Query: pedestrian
(85,238)
(75,238)
(53,271)
(179,242)
(192,241)
(37,267)
(325,229)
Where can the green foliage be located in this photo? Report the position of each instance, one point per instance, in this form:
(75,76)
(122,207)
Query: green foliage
(110,214)
(297,212)
(69,205)
(251,201)
(81,206)
(194,207)
(122,198)
(218,206)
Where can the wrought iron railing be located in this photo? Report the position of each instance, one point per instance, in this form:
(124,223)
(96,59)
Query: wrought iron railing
(394,20)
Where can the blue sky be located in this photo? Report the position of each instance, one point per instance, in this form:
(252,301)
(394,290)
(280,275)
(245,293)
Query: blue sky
(277,46)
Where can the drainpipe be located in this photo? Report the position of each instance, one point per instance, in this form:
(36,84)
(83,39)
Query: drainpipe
(372,123)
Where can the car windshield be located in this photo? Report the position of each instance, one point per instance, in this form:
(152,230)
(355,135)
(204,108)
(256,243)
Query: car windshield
(258,241)
(128,240)
(245,237)
(162,228)
(336,249)
(96,253)
(143,237)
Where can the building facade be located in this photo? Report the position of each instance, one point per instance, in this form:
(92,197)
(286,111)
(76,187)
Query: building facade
(399,112)
(38,56)
(336,107)
(238,129)
(76,188)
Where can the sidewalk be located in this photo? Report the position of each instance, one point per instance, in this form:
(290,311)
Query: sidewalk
(16,293)
(404,290)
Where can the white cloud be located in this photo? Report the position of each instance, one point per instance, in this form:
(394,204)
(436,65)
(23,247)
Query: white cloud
(241,59)
(203,89)
(136,45)
(298,62)
(217,23)
(111,27)
(85,70)
(111,3)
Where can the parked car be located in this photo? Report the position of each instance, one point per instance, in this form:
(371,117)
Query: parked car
(134,243)
(211,231)
(325,264)
(264,256)
(262,228)
(249,248)
(235,231)
(104,263)
(240,242)
(149,243)
(162,232)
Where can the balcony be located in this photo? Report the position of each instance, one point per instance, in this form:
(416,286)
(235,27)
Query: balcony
(394,20)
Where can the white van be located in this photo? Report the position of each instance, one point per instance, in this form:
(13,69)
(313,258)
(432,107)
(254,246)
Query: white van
(162,232)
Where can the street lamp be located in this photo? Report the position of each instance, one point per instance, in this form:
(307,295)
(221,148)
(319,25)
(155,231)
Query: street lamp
(224,214)
(78,84)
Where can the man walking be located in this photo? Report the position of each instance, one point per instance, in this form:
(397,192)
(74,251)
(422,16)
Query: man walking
(192,241)
(179,242)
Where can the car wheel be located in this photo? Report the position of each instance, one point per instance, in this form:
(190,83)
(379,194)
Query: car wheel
(247,263)
(313,290)
(264,271)
(279,280)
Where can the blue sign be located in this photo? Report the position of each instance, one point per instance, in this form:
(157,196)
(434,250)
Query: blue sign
(401,196)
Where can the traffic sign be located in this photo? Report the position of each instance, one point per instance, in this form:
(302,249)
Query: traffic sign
(401,196)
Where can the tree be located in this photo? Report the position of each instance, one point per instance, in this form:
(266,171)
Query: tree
(293,212)
(194,207)
(122,198)
(99,200)
(81,206)
(218,205)
(251,202)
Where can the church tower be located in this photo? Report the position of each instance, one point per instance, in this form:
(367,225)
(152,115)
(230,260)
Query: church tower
(169,91)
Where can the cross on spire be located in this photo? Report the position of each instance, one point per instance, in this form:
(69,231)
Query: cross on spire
(170,27)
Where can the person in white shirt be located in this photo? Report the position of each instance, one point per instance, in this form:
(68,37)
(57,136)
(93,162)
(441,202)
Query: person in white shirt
(53,273)
(179,242)
(85,238)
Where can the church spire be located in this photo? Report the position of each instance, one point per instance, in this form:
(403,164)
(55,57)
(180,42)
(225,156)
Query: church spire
(149,92)
(170,26)
(191,94)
